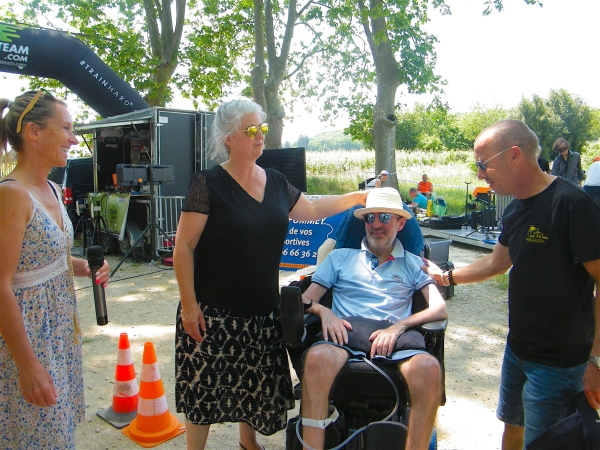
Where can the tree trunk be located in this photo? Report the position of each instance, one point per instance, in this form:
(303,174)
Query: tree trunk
(259,71)
(265,90)
(388,80)
(275,113)
(157,96)
(384,130)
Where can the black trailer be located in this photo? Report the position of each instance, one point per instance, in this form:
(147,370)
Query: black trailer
(156,136)
(150,137)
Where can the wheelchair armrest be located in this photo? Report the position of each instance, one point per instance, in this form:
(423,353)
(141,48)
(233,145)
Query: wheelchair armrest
(292,315)
(437,326)
(311,319)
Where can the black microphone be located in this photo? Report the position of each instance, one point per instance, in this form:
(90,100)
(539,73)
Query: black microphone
(95,257)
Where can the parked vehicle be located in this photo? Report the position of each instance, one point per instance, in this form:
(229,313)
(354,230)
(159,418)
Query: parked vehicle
(76,180)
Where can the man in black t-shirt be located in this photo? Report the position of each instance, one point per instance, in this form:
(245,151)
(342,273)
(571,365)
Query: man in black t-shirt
(551,239)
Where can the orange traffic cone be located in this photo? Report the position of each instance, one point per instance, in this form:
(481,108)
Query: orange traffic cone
(154,423)
(125,392)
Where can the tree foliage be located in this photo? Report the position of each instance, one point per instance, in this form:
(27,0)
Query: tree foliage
(331,140)
(433,127)
(472,123)
(377,47)
(560,115)
(153,45)
(282,56)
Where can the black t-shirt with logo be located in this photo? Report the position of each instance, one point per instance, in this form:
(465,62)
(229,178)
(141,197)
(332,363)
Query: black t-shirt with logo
(551,300)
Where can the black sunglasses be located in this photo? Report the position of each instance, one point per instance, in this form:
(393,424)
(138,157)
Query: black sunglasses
(483,165)
(383,217)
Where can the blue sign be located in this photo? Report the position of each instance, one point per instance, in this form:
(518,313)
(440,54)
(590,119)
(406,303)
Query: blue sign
(304,239)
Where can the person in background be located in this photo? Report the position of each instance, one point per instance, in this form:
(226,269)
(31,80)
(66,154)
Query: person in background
(41,369)
(378,180)
(425,186)
(231,363)
(568,163)
(418,199)
(544,164)
(592,180)
(551,239)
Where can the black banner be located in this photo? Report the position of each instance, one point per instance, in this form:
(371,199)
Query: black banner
(53,54)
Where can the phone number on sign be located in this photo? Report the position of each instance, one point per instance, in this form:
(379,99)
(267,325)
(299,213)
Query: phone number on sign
(299,253)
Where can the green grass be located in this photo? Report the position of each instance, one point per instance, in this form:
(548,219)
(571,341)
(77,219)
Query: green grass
(339,171)
(330,185)
(502,281)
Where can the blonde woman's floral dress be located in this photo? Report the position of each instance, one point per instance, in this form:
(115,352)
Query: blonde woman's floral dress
(43,286)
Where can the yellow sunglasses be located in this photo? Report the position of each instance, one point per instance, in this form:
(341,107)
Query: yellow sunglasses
(30,106)
(252,130)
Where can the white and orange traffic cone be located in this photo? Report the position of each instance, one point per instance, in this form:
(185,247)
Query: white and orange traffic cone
(154,424)
(125,393)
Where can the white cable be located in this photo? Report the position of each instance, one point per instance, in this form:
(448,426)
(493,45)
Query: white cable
(360,430)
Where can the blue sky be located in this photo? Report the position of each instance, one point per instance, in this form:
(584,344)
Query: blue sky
(493,60)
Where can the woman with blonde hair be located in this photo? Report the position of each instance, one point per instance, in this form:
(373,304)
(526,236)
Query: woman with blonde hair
(41,375)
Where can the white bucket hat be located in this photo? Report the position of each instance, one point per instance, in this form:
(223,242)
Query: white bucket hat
(323,251)
(386,200)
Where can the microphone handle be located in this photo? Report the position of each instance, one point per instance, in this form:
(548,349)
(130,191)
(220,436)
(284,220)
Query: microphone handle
(99,301)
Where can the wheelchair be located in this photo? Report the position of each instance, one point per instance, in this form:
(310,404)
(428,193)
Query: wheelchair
(372,397)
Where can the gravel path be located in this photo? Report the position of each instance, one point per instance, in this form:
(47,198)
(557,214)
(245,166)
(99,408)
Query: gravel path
(142,300)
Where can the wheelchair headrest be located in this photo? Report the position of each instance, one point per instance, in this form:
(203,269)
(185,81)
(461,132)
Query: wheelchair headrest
(351,232)
(322,253)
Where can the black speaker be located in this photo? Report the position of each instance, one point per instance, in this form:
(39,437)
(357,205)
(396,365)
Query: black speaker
(289,161)
(134,174)
(475,218)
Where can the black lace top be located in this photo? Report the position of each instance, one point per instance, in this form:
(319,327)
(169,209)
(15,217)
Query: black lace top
(236,261)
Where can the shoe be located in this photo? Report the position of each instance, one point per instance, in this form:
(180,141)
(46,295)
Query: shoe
(298,391)
(244,448)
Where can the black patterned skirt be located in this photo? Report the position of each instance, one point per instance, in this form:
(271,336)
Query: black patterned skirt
(238,373)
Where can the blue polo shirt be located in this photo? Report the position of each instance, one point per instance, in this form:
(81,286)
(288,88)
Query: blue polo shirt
(421,200)
(384,292)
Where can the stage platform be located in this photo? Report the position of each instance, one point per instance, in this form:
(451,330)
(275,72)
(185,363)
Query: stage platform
(466,235)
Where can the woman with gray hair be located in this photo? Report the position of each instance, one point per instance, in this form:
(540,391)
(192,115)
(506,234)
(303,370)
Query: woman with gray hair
(41,373)
(231,364)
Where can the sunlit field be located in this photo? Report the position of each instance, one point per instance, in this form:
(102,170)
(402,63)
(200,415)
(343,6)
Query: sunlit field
(340,171)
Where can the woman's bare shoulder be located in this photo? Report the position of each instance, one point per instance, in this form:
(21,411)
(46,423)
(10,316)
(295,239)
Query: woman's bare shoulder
(14,196)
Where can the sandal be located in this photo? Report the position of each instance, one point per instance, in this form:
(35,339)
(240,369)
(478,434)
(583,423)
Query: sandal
(244,448)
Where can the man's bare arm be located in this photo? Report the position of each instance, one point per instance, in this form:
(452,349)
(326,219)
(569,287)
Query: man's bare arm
(496,263)
(334,328)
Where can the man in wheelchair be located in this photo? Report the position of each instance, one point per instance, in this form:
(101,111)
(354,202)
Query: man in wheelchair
(376,281)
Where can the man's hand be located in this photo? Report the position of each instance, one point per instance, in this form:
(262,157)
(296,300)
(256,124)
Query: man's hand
(383,341)
(431,269)
(334,329)
(591,385)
